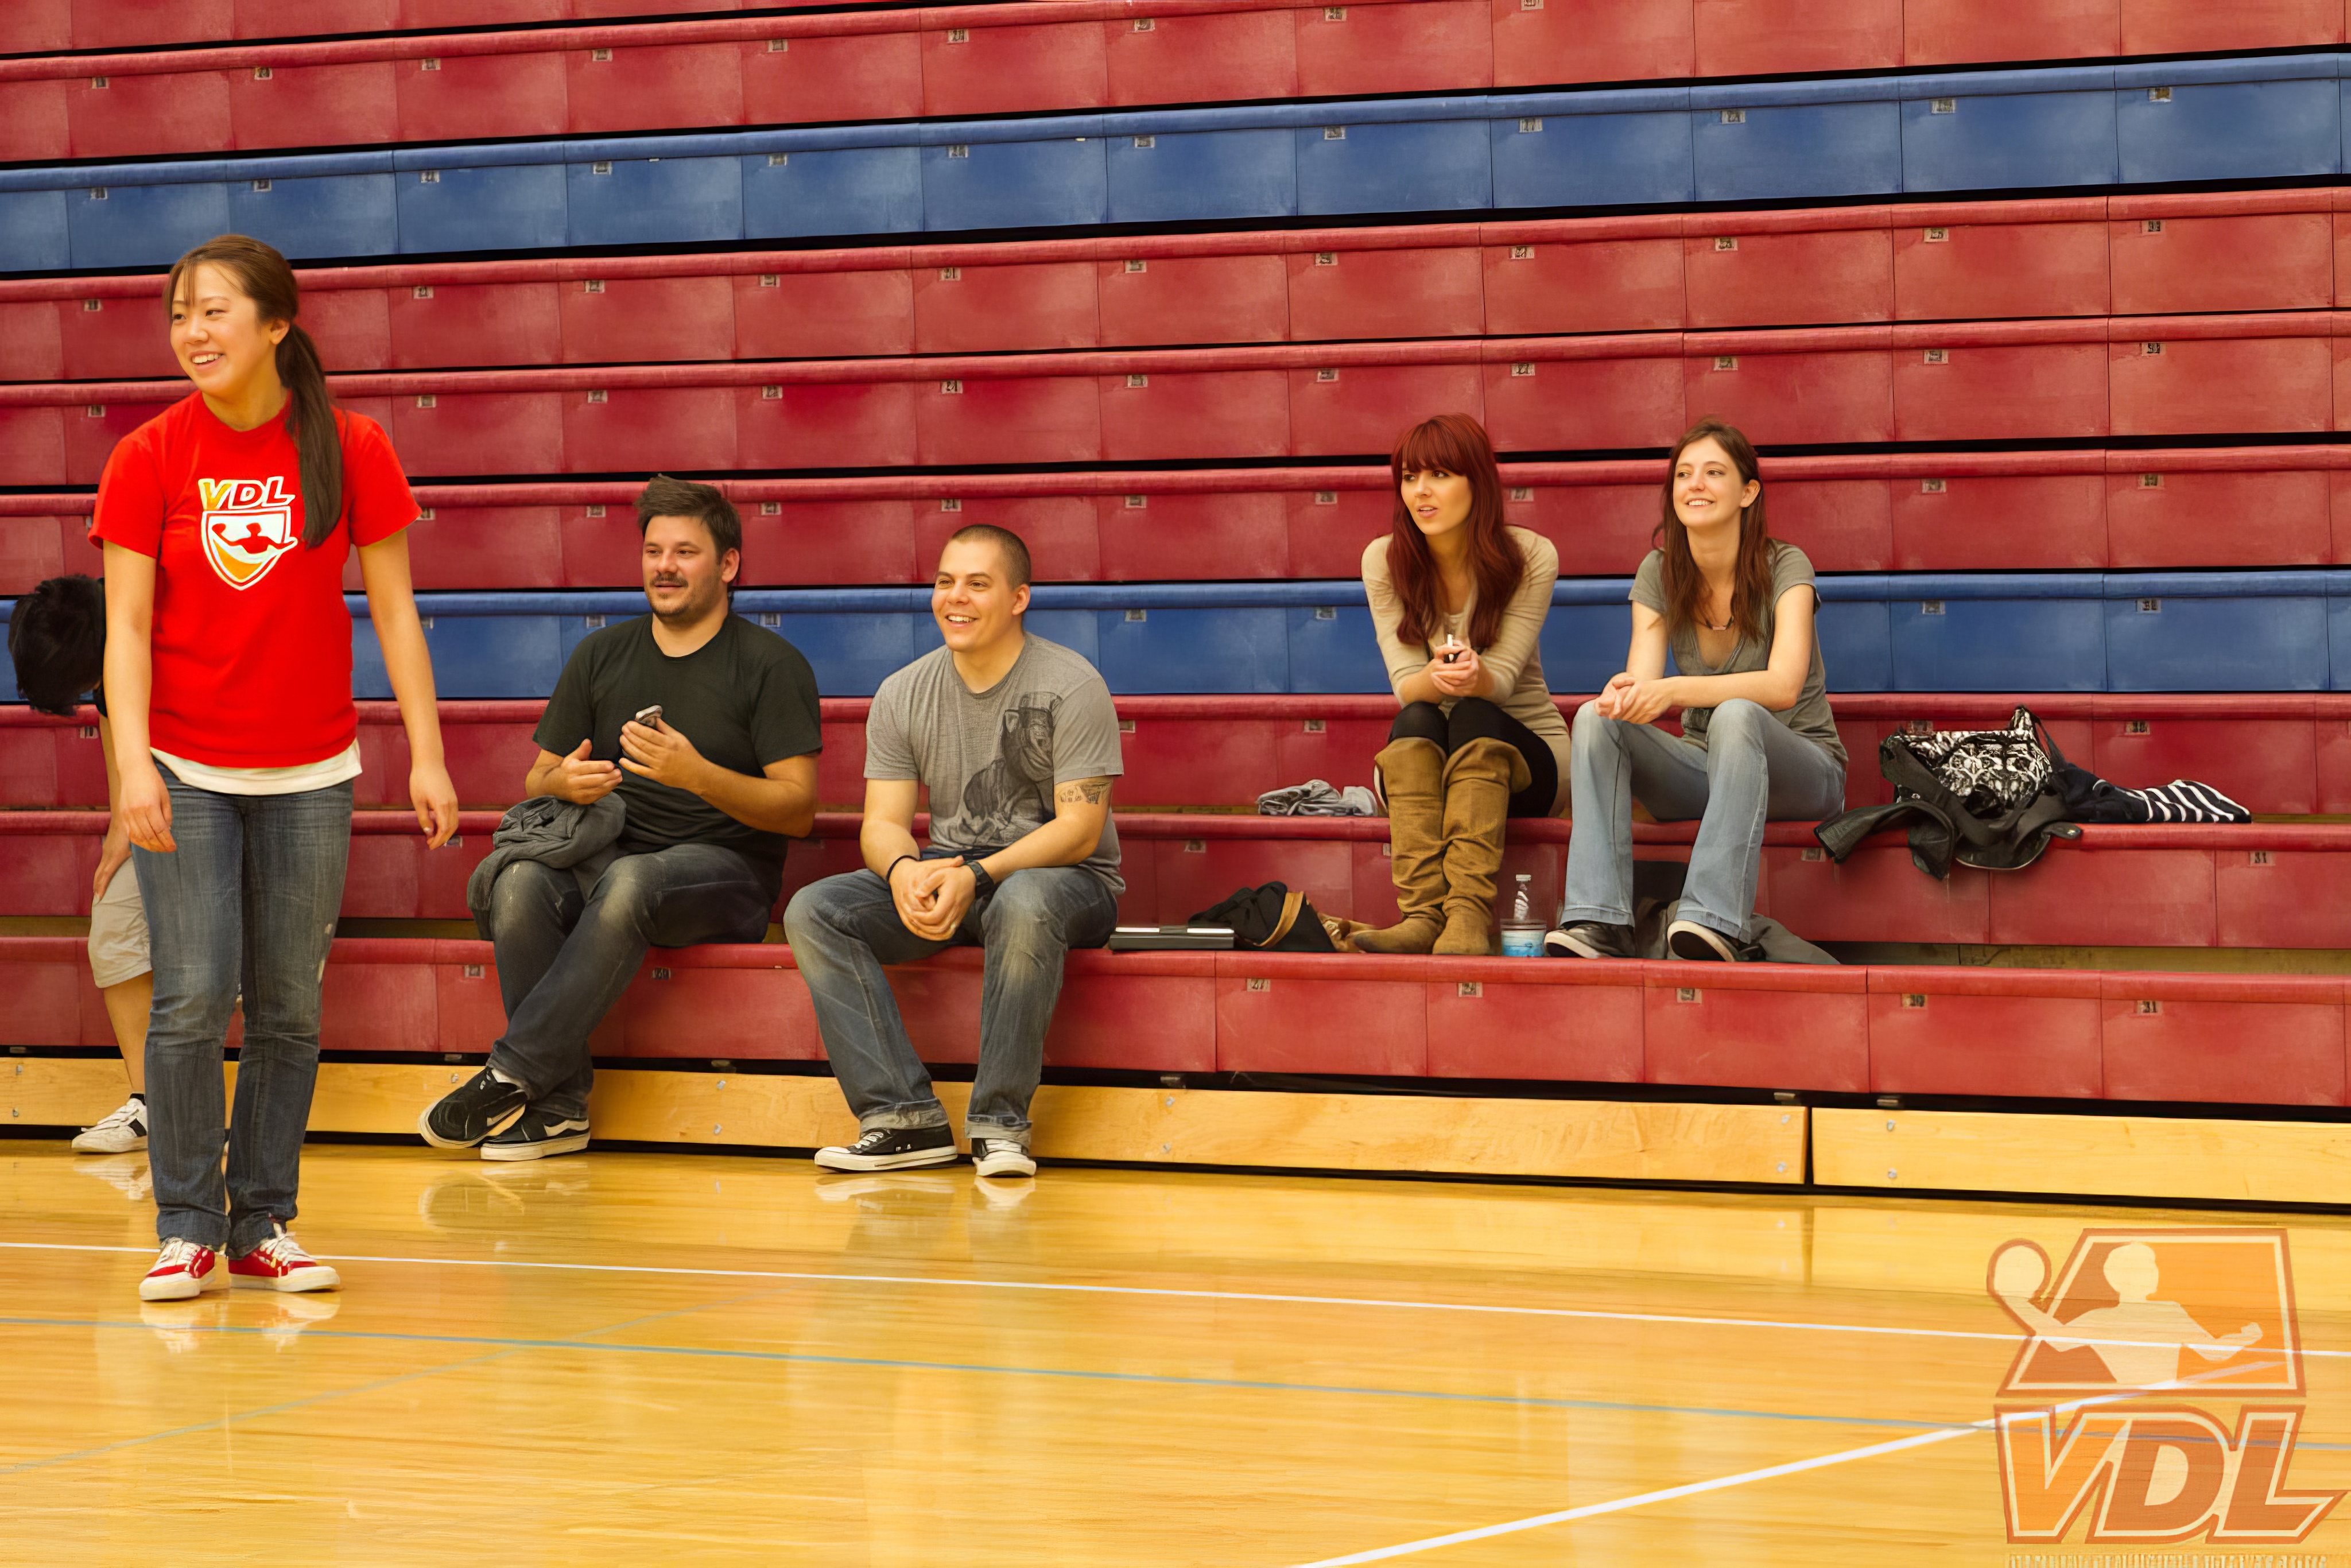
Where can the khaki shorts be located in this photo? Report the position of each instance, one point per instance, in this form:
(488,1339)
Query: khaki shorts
(118,932)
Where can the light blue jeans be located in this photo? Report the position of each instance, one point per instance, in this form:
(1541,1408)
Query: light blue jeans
(845,928)
(1753,769)
(246,902)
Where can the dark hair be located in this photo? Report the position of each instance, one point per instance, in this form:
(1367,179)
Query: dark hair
(1015,552)
(262,274)
(1750,574)
(56,640)
(663,496)
(1457,444)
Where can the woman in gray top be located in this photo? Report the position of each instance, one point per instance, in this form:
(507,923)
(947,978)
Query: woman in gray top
(1735,606)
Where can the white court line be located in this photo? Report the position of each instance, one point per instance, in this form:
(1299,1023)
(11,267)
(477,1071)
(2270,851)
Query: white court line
(1772,1472)
(1588,1313)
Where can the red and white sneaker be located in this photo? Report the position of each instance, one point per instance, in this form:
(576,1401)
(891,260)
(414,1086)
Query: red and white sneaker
(280,1264)
(183,1270)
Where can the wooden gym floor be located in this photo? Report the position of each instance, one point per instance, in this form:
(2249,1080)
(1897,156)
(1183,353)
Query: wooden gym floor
(636,1358)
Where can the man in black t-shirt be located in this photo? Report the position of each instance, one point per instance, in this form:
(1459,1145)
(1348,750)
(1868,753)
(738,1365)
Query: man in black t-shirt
(714,783)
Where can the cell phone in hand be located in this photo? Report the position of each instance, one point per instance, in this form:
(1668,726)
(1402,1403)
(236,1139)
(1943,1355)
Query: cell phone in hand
(1452,651)
(650,716)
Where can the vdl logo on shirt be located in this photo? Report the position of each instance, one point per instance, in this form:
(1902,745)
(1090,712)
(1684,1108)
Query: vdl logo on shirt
(248,525)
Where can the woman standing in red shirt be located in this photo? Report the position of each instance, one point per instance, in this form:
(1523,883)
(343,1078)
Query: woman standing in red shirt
(226,521)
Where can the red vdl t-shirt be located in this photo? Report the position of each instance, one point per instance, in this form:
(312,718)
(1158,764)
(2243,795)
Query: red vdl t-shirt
(252,639)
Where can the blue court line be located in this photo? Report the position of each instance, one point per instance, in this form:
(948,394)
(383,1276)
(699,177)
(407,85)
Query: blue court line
(1145,1377)
(307,1399)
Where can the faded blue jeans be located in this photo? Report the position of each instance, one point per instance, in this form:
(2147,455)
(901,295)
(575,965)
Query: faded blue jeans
(1753,769)
(247,902)
(564,959)
(844,928)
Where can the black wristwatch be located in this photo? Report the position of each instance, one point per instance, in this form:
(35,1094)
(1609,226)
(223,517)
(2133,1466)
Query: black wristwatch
(982,885)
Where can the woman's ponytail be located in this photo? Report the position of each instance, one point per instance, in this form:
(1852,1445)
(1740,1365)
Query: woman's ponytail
(315,438)
(262,273)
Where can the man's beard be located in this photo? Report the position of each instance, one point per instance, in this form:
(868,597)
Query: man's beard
(697,606)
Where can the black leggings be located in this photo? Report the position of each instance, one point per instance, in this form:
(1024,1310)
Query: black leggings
(1476,718)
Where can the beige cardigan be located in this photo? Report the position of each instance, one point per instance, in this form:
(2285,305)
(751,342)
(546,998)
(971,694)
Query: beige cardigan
(1514,661)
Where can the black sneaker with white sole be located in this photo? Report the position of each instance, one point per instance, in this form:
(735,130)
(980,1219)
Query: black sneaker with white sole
(1693,943)
(1001,1157)
(466,1115)
(1590,939)
(892,1149)
(535,1134)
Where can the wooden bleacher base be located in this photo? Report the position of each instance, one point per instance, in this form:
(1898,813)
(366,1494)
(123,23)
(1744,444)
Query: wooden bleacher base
(1599,1140)
(2221,1159)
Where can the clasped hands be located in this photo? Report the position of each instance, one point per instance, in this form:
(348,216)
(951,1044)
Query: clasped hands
(1455,670)
(1634,701)
(933,895)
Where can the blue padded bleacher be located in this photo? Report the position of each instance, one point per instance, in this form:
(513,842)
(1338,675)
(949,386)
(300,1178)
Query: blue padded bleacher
(2263,118)
(954,61)
(2086,631)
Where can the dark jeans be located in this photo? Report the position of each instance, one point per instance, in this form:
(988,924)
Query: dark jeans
(844,928)
(1474,719)
(564,959)
(247,902)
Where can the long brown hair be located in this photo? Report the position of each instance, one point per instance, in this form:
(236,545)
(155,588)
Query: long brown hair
(1750,574)
(262,274)
(1457,444)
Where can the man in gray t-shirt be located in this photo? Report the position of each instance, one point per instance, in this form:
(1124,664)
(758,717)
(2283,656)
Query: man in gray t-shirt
(1017,741)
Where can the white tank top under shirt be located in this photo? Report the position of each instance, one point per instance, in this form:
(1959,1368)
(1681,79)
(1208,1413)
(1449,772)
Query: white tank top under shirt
(294,780)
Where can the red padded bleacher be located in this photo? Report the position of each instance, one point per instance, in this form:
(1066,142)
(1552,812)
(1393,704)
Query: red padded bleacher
(2166,375)
(2265,885)
(2279,754)
(2079,255)
(2140,509)
(2248,1039)
(953,60)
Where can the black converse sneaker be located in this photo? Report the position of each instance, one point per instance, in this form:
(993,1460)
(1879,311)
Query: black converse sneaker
(1590,939)
(464,1116)
(1693,943)
(891,1149)
(1001,1157)
(535,1134)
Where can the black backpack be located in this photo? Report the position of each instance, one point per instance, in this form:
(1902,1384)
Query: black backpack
(1270,918)
(1991,799)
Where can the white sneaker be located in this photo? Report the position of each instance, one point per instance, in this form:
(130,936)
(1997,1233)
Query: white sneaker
(120,1132)
(1001,1157)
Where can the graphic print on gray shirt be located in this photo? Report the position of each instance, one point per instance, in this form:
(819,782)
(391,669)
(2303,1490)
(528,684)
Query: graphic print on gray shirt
(992,759)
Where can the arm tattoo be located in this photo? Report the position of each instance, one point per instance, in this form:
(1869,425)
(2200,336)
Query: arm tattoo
(1091,791)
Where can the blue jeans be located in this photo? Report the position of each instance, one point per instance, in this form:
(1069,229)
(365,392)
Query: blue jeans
(564,958)
(844,928)
(1753,769)
(247,901)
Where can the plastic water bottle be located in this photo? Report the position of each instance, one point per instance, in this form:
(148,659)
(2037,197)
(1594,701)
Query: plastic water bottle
(1522,932)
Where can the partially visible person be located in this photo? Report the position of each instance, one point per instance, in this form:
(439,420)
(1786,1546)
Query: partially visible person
(1735,606)
(56,641)
(227,521)
(701,731)
(1458,601)
(1017,740)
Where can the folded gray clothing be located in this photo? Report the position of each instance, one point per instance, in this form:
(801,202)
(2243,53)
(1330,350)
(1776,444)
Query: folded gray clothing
(581,838)
(1317,799)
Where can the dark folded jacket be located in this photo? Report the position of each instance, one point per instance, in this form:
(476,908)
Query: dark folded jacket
(581,838)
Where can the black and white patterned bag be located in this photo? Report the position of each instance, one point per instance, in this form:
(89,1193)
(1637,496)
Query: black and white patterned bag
(1991,771)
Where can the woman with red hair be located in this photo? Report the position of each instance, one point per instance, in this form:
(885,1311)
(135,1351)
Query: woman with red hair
(1457,601)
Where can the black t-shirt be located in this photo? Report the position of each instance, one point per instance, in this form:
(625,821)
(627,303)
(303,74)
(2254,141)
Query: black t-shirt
(745,698)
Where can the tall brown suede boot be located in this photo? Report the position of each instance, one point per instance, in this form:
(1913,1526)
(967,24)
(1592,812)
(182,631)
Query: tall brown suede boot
(1480,780)
(1412,772)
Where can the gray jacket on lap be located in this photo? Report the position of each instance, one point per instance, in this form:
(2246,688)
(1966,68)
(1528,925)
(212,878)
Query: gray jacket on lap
(555,833)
